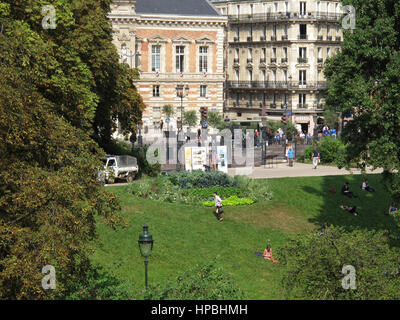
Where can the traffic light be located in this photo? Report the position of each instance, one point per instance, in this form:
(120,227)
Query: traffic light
(204,115)
(284,118)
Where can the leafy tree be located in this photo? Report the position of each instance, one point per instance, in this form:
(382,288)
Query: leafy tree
(331,118)
(364,80)
(190,118)
(215,119)
(168,110)
(53,86)
(313,265)
(202,282)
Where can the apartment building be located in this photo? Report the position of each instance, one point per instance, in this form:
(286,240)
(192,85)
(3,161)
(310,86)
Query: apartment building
(175,44)
(275,58)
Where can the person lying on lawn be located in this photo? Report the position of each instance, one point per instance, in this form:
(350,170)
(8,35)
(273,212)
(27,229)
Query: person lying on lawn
(268,254)
(349,209)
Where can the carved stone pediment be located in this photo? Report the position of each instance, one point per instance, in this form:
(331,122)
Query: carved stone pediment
(157,39)
(205,40)
(181,40)
(124,37)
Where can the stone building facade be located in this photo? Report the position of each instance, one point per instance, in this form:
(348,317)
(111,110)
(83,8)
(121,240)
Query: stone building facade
(172,43)
(275,58)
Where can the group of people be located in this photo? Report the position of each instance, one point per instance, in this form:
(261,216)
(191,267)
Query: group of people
(329,132)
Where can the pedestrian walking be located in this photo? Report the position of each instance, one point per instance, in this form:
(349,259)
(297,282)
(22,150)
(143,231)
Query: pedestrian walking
(315,157)
(161,124)
(290,156)
(218,206)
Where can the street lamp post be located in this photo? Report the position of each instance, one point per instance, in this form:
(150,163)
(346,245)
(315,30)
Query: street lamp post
(145,246)
(181,92)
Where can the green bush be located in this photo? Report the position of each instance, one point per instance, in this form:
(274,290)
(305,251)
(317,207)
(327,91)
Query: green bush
(152,170)
(98,285)
(255,189)
(204,194)
(203,282)
(312,265)
(231,201)
(201,179)
(329,148)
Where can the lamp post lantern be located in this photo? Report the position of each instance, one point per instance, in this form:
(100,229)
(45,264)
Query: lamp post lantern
(181,92)
(145,246)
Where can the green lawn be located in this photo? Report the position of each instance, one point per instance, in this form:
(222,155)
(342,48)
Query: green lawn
(187,235)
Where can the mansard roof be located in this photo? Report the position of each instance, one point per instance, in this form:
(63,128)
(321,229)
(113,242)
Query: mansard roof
(176,7)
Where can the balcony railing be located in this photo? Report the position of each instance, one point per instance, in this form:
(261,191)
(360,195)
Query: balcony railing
(320,38)
(284,16)
(250,60)
(236,60)
(328,38)
(262,60)
(272,105)
(302,37)
(273,38)
(320,60)
(302,106)
(284,60)
(302,60)
(284,37)
(338,38)
(276,85)
(249,39)
(236,39)
(262,38)
(273,60)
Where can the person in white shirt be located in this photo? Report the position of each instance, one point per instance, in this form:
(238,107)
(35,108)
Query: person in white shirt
(218,206)
(366,187)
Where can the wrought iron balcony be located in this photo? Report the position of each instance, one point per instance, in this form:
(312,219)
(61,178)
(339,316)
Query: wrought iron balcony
(284,60)
(262,60)
(320,60)
(273,38)
(250,60)
(262,38)
(320,38)
(249,39)
(328,38)
(284,37)
(302,60)
(302,37)
(273,60)
(283,16)
(299,85)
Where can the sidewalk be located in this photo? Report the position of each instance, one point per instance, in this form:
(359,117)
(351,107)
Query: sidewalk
(282,170)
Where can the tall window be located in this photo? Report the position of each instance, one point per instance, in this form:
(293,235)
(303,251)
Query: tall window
(302,100)
(328,52)
(285,52)
(250,75)
(302,77)
(203,91)
(156,58)
(303,53)
(303,8)
(180,58)
(263,76)
(274,30)
(203,59)
(156,91)
(237,75)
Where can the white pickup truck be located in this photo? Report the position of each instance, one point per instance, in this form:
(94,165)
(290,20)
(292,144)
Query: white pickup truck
(118,167)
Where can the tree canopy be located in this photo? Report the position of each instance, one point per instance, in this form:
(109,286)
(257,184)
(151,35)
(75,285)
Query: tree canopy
(364,80)
(58,88)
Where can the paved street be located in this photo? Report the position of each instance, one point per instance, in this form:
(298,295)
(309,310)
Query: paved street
(282,170)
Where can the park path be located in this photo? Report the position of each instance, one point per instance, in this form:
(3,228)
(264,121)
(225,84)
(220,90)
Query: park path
(282,170)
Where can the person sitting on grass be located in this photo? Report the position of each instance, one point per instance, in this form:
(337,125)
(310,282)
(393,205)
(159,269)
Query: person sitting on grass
(366,187)
(391,209)
(346,191)
(218,206)
(268,254)
(349,209)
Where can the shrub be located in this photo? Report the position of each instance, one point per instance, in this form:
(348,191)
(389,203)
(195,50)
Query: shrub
(201,179)
(203,282)
(255,189)
(329,148)
(231,201)
(312,265)
(145,167)
(203,194)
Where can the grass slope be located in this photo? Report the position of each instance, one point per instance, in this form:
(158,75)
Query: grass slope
(187,235)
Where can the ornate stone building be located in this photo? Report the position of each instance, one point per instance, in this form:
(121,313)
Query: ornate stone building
(174,43)
(275,57)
